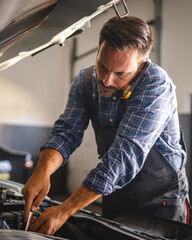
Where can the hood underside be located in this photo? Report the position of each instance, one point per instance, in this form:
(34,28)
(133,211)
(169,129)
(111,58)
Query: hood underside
(28,27)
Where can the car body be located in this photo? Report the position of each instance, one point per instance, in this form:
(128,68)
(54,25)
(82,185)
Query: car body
(83,225)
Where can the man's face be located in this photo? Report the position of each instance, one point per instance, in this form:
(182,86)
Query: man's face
(115,69)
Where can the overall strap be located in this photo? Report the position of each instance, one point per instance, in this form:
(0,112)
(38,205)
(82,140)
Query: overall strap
(87,90)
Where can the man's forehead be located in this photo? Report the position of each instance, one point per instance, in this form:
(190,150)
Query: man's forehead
(119,61)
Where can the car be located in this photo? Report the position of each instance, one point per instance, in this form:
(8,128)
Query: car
(82,225)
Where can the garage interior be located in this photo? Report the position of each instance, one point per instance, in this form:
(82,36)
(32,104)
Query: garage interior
(34,91)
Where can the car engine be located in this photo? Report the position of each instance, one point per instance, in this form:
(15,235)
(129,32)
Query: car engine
(83,225)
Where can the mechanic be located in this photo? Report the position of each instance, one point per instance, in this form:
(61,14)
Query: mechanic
(132,105)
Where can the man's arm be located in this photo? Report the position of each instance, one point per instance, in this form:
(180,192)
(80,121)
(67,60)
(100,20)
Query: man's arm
(54,217)
(38,185)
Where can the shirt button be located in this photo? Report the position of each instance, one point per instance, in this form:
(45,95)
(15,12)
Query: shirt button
(110,120)
(114,98)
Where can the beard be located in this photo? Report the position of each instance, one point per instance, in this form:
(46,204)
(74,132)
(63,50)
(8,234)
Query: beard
(106,92)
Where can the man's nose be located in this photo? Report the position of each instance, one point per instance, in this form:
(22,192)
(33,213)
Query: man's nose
(109,79)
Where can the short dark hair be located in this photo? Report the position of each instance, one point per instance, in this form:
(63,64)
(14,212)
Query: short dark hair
(128,32)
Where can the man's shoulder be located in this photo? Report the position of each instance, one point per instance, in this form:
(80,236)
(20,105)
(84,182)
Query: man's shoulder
(84,70)
(156,70)
(77,84)
(156,73)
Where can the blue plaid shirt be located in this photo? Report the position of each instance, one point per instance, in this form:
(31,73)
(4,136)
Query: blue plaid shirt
(151,118)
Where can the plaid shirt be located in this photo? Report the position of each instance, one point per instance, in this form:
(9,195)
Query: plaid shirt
(150,118)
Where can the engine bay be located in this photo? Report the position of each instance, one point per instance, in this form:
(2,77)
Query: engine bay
(83,225)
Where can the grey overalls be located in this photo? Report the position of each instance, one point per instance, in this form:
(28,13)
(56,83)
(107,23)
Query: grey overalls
(156,191)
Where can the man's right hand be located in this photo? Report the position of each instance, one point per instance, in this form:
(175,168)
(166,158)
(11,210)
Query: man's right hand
(35,190)
(38,185)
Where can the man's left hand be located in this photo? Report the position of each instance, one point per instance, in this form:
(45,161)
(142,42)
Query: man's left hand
(49,221)
(54,217)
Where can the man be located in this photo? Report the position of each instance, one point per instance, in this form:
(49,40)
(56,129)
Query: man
(132,105)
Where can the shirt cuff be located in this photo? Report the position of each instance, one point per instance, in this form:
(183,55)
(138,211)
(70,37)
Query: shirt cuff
(99,182)
(56,146)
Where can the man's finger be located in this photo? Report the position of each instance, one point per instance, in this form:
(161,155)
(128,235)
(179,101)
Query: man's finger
(37,224)
(27,208)
(37,201)
(45,230)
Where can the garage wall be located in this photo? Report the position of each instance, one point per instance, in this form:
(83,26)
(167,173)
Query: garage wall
(34,91)
(176,59)
(176,48)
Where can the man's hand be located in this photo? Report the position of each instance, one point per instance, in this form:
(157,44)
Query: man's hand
(35,191)
(50,220)
(38,185)
(54,217)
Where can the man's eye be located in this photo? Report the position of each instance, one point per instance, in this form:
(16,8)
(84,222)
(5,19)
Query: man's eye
(121,74)
(103,68)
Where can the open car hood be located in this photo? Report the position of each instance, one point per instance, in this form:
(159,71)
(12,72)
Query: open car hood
(28,27)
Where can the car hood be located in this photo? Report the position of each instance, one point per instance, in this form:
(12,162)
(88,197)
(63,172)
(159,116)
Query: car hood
(18,234)
(28,27)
